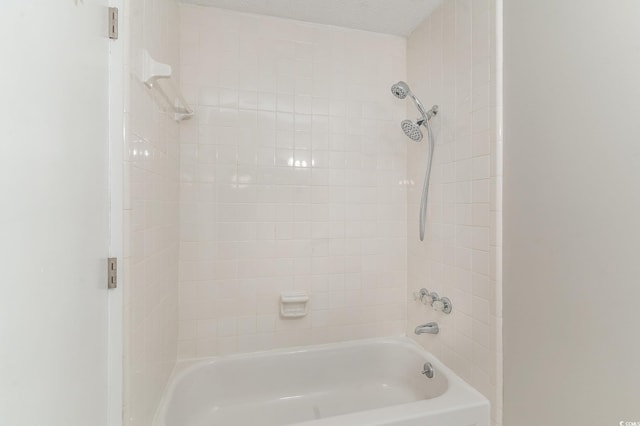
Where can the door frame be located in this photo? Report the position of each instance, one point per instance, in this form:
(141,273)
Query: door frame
(115,370)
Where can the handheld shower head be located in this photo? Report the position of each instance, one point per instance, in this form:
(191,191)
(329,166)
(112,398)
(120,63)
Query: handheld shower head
(400,90)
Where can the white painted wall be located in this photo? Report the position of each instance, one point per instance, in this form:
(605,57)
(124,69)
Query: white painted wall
(54,213)
(571,209)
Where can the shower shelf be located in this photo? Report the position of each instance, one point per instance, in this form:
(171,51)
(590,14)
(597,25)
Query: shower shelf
(157,78)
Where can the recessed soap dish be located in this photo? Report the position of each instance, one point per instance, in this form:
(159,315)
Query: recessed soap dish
(293,304)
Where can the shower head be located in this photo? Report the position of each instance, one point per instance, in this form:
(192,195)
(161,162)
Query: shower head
(400,90)
(412,130)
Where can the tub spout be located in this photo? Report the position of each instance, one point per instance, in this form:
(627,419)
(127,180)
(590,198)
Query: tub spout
(430,328)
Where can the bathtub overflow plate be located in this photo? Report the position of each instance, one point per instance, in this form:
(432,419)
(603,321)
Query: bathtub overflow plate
(427,370)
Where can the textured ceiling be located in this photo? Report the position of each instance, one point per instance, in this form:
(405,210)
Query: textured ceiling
(398,17)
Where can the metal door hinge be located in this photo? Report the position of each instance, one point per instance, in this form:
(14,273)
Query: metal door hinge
(112,272)
(113,23)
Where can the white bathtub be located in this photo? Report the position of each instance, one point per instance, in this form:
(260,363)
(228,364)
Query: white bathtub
(367,382)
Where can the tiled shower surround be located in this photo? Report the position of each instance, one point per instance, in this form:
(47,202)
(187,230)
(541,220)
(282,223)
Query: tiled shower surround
(150,217)
(292,178)
(294,174)
(452,61)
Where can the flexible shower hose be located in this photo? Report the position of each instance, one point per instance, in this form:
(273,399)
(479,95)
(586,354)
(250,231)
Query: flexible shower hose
(427,175)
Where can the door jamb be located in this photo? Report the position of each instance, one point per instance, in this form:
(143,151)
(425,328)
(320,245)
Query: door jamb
(115,376)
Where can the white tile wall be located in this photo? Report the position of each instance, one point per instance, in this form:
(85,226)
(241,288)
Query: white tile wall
(150,216)
(292,177)
(452,62)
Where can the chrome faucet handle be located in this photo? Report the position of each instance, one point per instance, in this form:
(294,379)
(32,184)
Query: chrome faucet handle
(434,300)
(446,305)
(424,296)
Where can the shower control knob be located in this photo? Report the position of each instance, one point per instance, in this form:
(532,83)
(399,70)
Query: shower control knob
(423,295)
(447,307)
(438,305)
